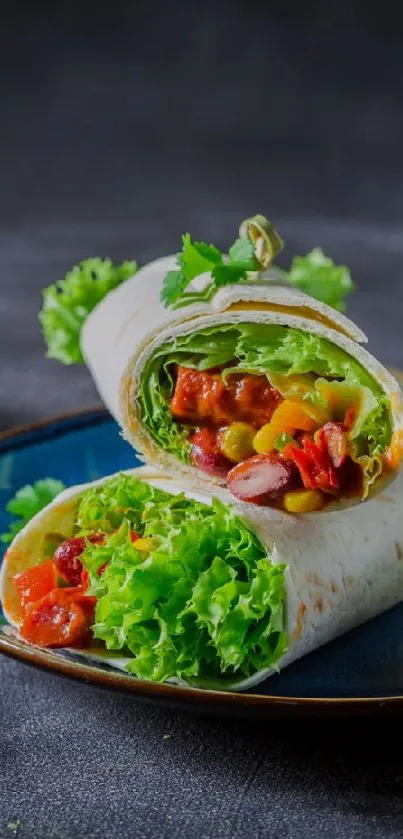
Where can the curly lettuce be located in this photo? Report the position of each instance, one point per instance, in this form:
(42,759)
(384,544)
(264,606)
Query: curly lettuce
(67,304)
(202,602)
(317,275)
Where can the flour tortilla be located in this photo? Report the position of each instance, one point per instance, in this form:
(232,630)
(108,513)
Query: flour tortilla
(127,327)
(344,567)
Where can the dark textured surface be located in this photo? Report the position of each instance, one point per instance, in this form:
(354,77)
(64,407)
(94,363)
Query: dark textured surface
(119,131)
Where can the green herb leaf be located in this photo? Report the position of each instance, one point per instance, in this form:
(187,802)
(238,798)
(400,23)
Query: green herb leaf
(28,501)
(243,252)
(229,274)
(67,304)
(194,259)
(197,258)
(173,286)
(317,275)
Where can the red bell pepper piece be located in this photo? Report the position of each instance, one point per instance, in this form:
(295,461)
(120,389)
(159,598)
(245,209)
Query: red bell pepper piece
(314,465)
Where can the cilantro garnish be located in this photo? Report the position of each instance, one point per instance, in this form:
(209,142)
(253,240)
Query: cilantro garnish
(249,255)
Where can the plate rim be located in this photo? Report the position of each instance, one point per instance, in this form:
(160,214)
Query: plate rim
(187,696)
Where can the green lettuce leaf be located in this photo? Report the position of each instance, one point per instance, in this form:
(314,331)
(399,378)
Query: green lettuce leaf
(317,275)
(67,304)
(205,603)
(289,358)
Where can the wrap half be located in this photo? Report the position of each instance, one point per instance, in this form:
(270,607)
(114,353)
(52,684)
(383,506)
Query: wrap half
(174,585)
(263,389)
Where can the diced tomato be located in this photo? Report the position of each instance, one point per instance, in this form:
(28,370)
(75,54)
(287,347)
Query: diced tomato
(35,582)
(61,618)
(314,465)
(203,398)
(134,536)
(331,438)
(66,557)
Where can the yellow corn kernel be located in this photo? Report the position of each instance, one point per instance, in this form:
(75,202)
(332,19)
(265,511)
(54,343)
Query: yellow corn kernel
(264,438)
(145,544)
(236,441)
(292,415)
(303,501)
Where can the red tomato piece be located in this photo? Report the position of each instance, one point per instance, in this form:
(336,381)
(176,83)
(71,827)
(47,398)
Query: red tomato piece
(261,478)
(66,557)
(59,619)
(35,582)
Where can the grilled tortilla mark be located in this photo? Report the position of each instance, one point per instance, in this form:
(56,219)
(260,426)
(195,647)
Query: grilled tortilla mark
(318,604)
(299,626)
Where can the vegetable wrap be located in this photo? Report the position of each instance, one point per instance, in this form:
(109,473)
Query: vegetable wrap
(172,584)
(255,386)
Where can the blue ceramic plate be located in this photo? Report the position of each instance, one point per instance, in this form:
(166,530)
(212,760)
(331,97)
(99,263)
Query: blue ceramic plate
(362,672)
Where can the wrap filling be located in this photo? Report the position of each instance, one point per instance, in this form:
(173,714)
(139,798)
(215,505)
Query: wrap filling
(283,417)
(184,590)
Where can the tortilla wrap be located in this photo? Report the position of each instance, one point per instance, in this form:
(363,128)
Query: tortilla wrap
(126,329)
(342,568)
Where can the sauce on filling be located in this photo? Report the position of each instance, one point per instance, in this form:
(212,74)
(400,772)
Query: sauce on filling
(302,473)
(203,398)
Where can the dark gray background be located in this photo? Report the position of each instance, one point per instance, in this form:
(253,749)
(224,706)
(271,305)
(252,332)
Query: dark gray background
(121,127)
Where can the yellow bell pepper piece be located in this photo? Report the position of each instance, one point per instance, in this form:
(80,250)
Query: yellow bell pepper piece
(144,544)
(303,501)
(289,417)
(291,414)
(263,440)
